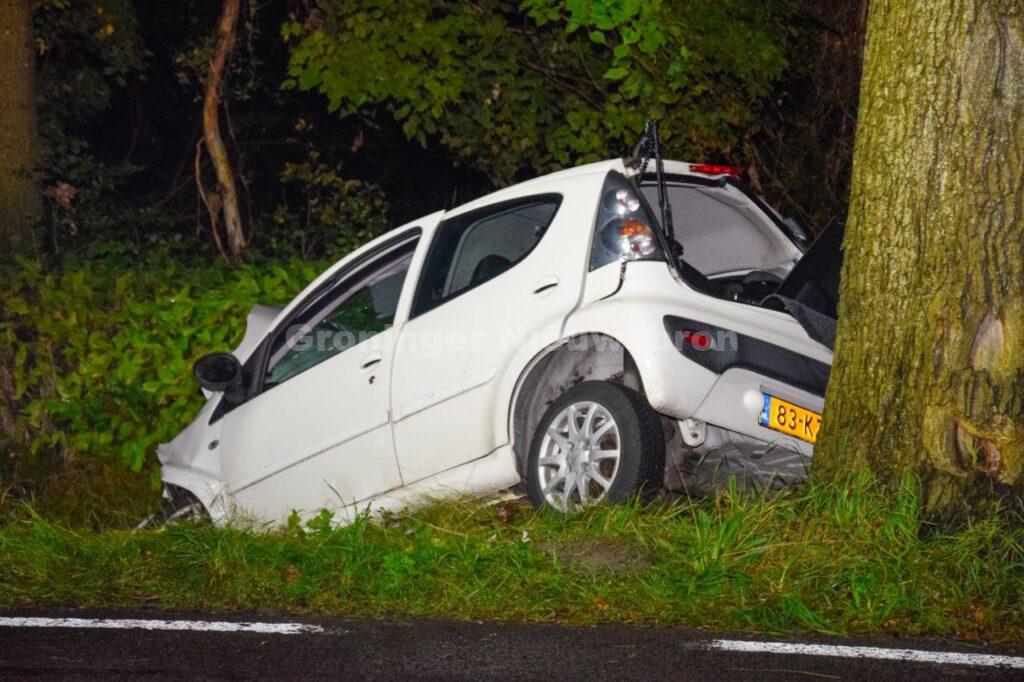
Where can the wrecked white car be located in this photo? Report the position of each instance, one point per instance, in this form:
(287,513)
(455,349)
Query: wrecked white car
(561,333)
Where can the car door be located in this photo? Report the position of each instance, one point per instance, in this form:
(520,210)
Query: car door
(317,432)
(491,277)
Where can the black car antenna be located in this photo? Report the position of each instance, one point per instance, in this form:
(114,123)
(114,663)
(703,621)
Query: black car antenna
(650,146)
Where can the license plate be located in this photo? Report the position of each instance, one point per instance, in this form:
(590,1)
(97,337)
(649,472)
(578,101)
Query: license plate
(788,418)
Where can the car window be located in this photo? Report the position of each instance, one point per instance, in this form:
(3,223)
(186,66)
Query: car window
(476,247)
(722,231)
(361,307)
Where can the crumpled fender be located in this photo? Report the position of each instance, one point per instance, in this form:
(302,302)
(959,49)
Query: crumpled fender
(208,489)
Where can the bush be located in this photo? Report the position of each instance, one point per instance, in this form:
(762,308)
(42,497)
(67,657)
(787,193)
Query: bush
(327,210)
(95,358)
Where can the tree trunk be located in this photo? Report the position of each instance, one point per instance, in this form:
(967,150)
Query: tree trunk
(929,371)
(225,203)
(20,204)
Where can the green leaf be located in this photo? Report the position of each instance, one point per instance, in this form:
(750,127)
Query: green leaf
(616,73)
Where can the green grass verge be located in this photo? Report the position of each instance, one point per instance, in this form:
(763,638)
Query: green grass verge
(823,559)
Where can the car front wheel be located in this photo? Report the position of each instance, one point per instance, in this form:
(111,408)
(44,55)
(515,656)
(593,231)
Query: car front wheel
(598,441)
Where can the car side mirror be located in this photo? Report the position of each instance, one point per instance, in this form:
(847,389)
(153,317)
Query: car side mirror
(220,372)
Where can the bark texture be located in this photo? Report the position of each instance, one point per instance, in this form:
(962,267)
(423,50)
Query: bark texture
(20,204)
(929,372)
(223,205)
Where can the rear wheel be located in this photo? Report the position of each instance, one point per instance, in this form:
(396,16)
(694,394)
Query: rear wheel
(598,441)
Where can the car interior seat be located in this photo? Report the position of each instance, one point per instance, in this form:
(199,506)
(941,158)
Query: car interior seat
(489,267)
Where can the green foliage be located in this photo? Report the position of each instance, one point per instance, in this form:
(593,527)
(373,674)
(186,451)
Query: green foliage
(242,80)
(333,214)
(568,81)
(85,49)
(827,559)
(95,358)
(87,52)
(120,91)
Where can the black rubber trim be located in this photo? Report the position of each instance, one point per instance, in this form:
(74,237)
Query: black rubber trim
(738,351)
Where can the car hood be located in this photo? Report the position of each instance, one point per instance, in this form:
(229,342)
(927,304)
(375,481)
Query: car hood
(256,325)
(190,442)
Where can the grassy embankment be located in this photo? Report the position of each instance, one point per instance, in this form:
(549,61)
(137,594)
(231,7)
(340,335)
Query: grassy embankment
(822,559)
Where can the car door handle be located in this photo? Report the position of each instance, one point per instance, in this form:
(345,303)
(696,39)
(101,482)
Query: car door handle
(370,360)
(545,284)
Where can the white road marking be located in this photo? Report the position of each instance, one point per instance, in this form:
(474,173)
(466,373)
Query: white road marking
(835,651)
(732,645)
(147,624)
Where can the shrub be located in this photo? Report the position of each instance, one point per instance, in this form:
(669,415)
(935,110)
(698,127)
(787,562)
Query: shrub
(95,358)
(331,214)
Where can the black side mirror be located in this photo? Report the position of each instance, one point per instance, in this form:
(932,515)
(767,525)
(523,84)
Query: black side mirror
(218,372)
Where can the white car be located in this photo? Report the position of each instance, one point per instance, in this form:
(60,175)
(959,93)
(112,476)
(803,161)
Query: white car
(551,333)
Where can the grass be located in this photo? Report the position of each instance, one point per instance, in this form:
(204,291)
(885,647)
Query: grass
(822,559)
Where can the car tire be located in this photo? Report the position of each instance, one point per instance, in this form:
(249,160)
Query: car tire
(578,465)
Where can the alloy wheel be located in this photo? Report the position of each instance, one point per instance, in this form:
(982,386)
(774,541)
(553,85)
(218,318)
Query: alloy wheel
(579,456)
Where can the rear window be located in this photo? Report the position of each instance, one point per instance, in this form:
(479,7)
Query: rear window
(722,231)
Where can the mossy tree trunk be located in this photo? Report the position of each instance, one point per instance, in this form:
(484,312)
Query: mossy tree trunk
(929,371)
(20,203)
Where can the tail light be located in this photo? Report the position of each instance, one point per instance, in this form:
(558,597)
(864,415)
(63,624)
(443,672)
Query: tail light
(625,226)
(713,169)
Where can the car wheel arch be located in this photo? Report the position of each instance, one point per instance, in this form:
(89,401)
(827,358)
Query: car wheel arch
(587,356)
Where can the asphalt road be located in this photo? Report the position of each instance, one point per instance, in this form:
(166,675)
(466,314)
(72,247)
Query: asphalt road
(420,649)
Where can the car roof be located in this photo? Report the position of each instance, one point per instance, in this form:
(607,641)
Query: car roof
(625,166)
(601,167)
(428,222)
